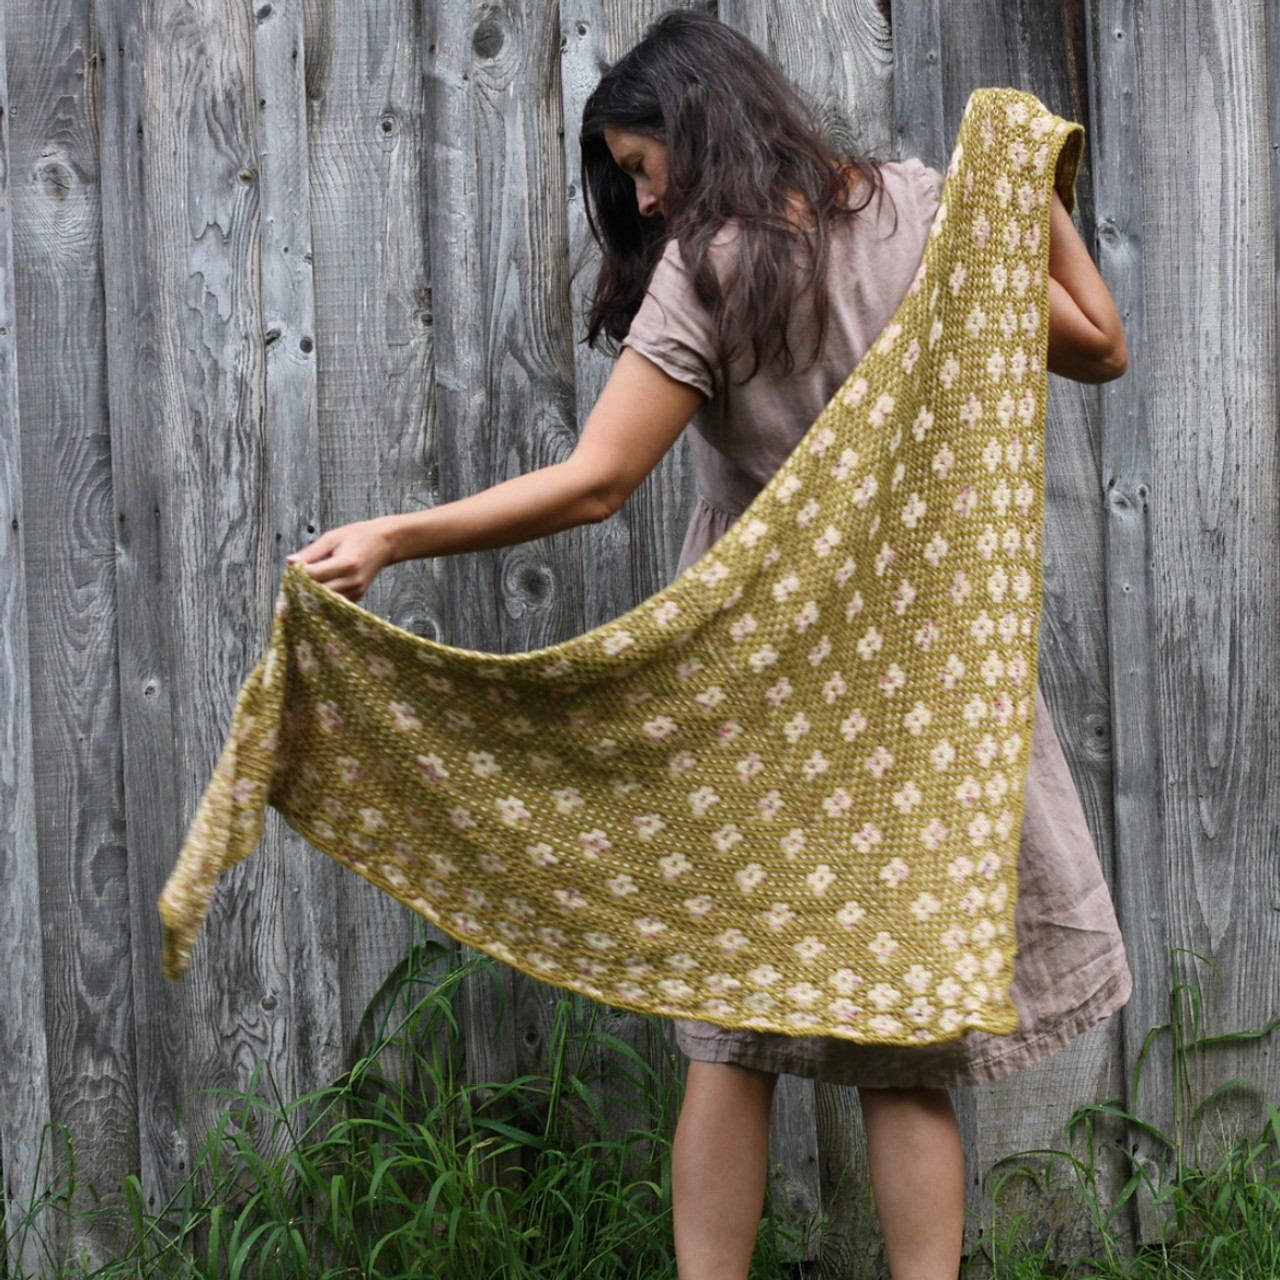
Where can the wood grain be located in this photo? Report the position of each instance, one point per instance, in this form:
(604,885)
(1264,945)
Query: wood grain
(374,347)
(310,1006)
(140,495)
(24,1068)
(1203,144)
(917,80)
(202,185)
(74,690)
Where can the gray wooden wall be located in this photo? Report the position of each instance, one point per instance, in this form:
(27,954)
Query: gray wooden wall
(268,267)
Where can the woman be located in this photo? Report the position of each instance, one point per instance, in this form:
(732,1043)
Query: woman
(746,269)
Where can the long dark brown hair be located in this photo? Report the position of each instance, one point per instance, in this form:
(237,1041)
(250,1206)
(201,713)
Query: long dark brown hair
(742,147)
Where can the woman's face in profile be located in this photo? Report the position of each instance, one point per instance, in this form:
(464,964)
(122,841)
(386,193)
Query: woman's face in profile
(642,158)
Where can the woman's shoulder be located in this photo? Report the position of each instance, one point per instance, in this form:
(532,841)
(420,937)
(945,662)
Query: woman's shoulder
(907,188)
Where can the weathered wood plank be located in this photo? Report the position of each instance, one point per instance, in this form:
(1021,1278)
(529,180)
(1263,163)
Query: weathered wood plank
(988,42)
(1140,841)
(202,181)
(24,1068)
(74,691)
(139,493)
(918,80)
(374,377)
(1203,133)
(312,1009)
(631,556)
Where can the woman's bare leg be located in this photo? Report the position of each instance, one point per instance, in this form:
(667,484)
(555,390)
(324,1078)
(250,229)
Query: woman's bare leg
(917,1177)
(719,1169)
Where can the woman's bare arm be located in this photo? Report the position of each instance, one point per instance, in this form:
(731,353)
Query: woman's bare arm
(639,415)
(1085,339)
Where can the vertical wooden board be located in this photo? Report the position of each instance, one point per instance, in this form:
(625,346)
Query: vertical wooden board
(851,1247)
(634,554)
(1210,272)
(311,1005)
(987,43)
(838,53)
(374,378)
(24,1068)
(74,702)
(139,492)
(201,183)
(917,80)
(795,1184)
(631,556)
(1141,858)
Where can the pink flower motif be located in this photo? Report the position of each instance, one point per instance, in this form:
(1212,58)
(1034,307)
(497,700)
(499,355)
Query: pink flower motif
(660,727)
(594,843)
(894,872)
(893,680)
(570,899)
(770,805)
(512,811)
(867,838)
(779,692)
(834,688)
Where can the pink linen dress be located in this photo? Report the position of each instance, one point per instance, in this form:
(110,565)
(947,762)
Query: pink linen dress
(1070,970)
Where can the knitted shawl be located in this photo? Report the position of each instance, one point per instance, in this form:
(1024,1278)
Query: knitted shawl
(785,792)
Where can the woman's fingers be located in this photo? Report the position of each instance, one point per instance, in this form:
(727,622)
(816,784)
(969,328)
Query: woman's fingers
(345,560)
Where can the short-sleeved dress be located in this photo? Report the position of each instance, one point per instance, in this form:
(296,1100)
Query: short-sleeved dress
(1070,970)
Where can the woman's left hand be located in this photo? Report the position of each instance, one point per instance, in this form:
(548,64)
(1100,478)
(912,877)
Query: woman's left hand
(347,559)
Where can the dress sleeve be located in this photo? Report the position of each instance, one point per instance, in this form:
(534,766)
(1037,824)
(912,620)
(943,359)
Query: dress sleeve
(673,329)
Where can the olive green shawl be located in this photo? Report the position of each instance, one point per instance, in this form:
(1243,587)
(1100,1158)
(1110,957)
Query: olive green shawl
(783,793)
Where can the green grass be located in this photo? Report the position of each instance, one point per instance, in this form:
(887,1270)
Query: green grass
(1209,1199)
(403,1169)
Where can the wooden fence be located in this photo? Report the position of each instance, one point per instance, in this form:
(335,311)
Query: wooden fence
(268,267)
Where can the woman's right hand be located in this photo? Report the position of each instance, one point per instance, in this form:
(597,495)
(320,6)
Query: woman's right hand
(347,559)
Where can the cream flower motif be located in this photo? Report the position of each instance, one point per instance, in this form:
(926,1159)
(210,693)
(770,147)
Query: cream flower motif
(805,994)
(913,511)
(793,843)
(787,488)
(883,559)
(731,941)
(960,869)
(925,907)
(834,688)
(701,800)
(570,899)
(865,839)
(595,843)
(752,531)
(934,834)
(512,811)
(883,946)
(879,412)
(820,879)
(729,732)
(807,616)
(750,877)
(854,392)
(348,768)
(770,805)
(838,803)
(827,542)
(710,699)
(743,627)
(714,574)
(541,854)
(903,598)
(884,996)
(726,838)
(673,866)
(893,680)
(615,643)
(923,423)
(808,513)
(778,916)
(879,762)
(815,765)
(952,671)
(975,321)
(942,756)
(666,613)
(330,718)
(870,644)
(843,466)
(852,725)
(483,765)
(763,657)
(893,873)
(796,727)
(785,587)
(380,667)
(854,607)
(749,767)
(682,762)
(460,818)
(700,905)
(865,491)
(648,825)
(567,799)
(986,750)
(907,797)
(917,719)
(820,652)
(949,371)
(957,282)
(935,549)
(763,975)
(621,885)
(660,727)
(689,668)
(978,828)
(650,926)
(778,693)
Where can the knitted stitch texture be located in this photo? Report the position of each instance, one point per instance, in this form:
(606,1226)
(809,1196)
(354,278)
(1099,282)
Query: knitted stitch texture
(785,792)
